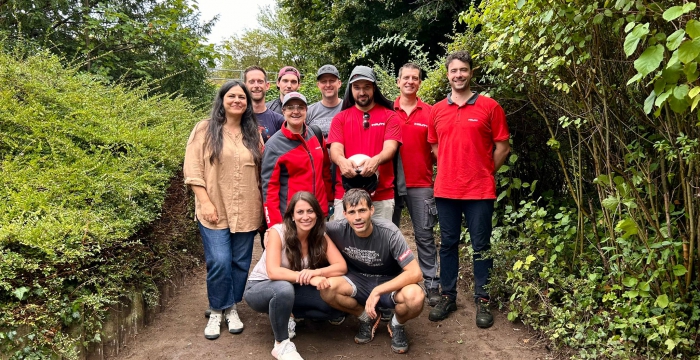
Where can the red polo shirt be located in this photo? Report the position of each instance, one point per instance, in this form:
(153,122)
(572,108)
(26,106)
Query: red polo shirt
(466,137)
(415,150)
(346,128)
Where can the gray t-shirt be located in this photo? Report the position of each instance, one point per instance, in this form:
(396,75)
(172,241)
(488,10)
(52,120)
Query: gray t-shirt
(383,253)
(321,116)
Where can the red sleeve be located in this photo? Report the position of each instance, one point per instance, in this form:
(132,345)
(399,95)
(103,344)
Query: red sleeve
(432,133)
(499,126)
(393,128)
(335,134)
(327,173)
(272,199)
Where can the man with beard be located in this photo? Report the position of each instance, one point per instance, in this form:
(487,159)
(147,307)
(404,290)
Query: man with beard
(469,135)
(367,125)
(288,80)
(269,122)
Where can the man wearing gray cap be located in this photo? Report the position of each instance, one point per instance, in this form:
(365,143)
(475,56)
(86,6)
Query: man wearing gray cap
(321,113)
(366,125)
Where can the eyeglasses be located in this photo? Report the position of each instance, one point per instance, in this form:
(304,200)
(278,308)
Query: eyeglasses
(365,121)
(295,107)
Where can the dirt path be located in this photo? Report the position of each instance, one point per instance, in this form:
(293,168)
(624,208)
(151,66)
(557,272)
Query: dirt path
(177,333)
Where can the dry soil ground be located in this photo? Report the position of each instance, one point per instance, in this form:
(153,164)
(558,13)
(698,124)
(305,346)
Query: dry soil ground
(177,333)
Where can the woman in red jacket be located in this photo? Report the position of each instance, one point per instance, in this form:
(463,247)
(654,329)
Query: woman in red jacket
(295,159)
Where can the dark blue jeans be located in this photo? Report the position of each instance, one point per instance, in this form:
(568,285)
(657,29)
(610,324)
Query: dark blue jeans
(228,257)
(478,215)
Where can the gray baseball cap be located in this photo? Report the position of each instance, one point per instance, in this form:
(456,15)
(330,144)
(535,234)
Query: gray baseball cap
(327,69)
(293,95)
(362,73)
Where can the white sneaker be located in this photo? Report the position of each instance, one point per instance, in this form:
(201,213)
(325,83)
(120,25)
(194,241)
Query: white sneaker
(291,327)
(286,350)
(213,328)
(235,325)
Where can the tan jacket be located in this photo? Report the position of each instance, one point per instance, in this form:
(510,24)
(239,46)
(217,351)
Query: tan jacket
(231,183)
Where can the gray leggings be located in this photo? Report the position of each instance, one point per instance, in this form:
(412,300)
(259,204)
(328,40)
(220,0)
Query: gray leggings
(282,298)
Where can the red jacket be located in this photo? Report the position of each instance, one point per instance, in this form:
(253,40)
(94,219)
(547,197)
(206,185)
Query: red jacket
(293,163)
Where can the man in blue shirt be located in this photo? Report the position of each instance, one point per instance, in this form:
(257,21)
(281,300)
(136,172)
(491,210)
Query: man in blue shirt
(269,122)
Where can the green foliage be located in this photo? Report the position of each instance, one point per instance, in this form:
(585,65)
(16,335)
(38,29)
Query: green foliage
(85,169)
(605,261)
(328,32)
(156,42)
(268,46)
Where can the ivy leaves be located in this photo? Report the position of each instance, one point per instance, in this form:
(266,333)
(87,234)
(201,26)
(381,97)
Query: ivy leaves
(672,83)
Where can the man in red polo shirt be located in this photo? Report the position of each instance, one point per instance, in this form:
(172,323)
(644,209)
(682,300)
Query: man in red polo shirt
(469,135)
(414,116)
(367,125)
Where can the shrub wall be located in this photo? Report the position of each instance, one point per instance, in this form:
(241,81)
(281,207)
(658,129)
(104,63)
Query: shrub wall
(84,169)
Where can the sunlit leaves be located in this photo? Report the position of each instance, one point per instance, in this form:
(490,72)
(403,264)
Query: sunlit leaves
(689,50)
(673,41)
(650,59)
(693,28)
(632,39)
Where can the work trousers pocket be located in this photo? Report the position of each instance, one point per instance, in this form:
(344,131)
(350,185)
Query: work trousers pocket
(430,214)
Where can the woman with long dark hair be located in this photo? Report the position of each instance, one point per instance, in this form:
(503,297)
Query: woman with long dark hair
(222,166)
(296,264)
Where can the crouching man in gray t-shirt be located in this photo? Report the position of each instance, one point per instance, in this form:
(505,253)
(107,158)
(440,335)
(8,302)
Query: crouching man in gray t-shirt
(382,271)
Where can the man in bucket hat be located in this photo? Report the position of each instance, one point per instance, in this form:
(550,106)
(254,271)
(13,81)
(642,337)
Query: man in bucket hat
(366,125)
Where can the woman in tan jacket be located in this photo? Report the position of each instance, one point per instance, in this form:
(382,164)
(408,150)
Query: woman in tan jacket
(222,166)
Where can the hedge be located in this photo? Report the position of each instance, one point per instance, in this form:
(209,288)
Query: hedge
(84,169)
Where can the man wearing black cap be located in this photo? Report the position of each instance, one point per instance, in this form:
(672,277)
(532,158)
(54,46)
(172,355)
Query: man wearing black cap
(288,80)
(321,113)
(366,125)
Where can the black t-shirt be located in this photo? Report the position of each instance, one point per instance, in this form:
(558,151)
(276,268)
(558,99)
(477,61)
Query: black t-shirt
(383,253)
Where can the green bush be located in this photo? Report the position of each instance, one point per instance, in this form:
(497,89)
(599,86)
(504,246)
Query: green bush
(85,168)
(602,100)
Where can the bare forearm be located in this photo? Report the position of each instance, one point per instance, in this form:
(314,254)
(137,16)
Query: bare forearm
(333,270)
(387,153)
(399,282)
(281,273)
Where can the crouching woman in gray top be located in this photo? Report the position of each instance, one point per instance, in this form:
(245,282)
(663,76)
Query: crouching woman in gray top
(296,264)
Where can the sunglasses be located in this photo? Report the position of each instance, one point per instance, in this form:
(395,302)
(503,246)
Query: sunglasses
(295,107)
(365,121)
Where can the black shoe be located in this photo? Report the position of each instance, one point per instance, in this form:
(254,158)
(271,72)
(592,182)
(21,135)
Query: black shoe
(433,296)
(366,332)
(385,313)
(337,321)
(484,319)
(399,341)
(444,307)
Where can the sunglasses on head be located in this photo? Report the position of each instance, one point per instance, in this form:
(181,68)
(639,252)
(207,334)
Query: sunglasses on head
(365,121)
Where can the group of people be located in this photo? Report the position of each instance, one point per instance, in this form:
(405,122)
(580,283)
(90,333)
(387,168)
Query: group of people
(288,167)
